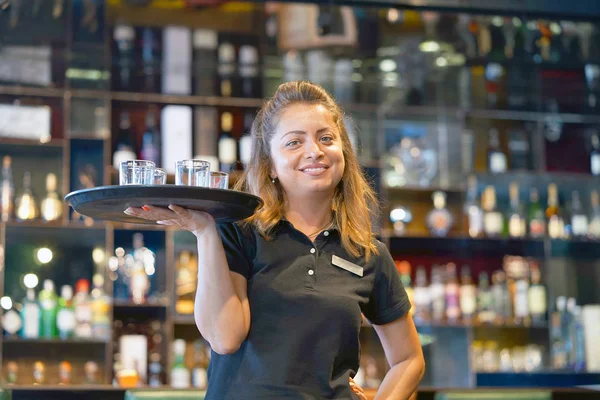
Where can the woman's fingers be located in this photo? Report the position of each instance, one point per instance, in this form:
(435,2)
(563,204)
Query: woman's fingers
(356,388)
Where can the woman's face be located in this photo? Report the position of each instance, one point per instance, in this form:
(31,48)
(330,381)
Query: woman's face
(306,151)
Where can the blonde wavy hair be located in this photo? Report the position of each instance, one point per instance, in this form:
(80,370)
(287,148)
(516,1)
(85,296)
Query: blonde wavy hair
(354,201)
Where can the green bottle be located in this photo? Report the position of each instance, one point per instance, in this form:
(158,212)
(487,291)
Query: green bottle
(48,304)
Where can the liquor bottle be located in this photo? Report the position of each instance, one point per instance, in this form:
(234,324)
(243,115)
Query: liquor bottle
(496,158)
(452,291)
(180,374)
(515,217)
(199,375)
(90,369)
(51,205)
(521,300)
(578,362)
(11,321)
(39,373)
(7,191)
(151,140)
(226,69)
(249,72)
(422,297)
(566,326)
(537,296)
(150,47)
(343,85)
(403,268)
(485,300)
(65,316)
(26,204)
(502,304)
(155,370)
(227,146)
(519,150)
(101,308)
(124,36)
(472,211)
(125,148)
(205,62)
(185,281)
(493,223)
(536,217)
(245,143)
(579,219)
(558,341)
(30,314)
(495,75)
(48,305)
(594,227)
(12,376)
(556,224)
(140,283)
(83,309)
(64,373)
(439,220)
(438,294)
(595,156)
(468,295)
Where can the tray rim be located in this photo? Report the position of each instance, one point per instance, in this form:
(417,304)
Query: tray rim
(74,193)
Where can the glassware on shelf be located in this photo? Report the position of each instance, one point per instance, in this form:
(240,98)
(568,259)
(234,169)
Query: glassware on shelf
(12,373)
(410,163)
(26,208)
(51,205)
(7,190)
(400,217)
(439,220)
(594,227)
(490,356)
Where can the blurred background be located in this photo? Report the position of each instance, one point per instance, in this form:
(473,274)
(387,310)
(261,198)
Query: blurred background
(477,124)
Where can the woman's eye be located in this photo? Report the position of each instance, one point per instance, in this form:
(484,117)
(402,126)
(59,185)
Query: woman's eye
(292,143)
(327,139)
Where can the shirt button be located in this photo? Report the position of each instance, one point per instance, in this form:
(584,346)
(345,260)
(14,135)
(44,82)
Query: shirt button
(312,251)
(311,272)
(326,233)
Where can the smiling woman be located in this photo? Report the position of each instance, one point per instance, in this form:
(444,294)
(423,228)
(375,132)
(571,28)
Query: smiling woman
(281,295)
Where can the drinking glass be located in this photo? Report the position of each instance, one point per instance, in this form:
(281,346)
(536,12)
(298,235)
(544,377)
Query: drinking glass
(192,173)
(160,176)
(218,180)
(136,172)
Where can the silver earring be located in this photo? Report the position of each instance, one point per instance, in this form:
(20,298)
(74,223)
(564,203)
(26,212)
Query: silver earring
(272,180)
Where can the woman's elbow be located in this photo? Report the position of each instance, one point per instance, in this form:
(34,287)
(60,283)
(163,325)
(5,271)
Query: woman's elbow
(420,360)
(225,348)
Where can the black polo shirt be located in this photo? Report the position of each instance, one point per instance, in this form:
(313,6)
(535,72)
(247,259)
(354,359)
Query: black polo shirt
(306,314)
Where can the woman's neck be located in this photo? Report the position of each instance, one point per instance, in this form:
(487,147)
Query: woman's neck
(308,216)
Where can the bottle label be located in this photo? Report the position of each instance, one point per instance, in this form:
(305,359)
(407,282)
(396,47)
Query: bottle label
(595,164)
(556,227)
(497,163)
(180,378)
(521,297)
(65,320)
(31,327)
(48,304)
(492,223)
(475,221)
(467,299)
(516,226)
(537,300)
(537,227)
(83,313)
(580,225)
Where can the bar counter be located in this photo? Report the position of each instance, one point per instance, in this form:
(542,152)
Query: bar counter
(107,392)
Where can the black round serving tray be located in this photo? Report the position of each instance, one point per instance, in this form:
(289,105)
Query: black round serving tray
(109,202)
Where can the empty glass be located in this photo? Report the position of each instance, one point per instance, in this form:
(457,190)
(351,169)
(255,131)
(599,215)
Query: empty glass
(160,176)
(136,172)
(192,173)
(218,180)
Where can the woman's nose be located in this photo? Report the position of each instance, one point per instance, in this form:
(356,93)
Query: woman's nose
(313,150)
